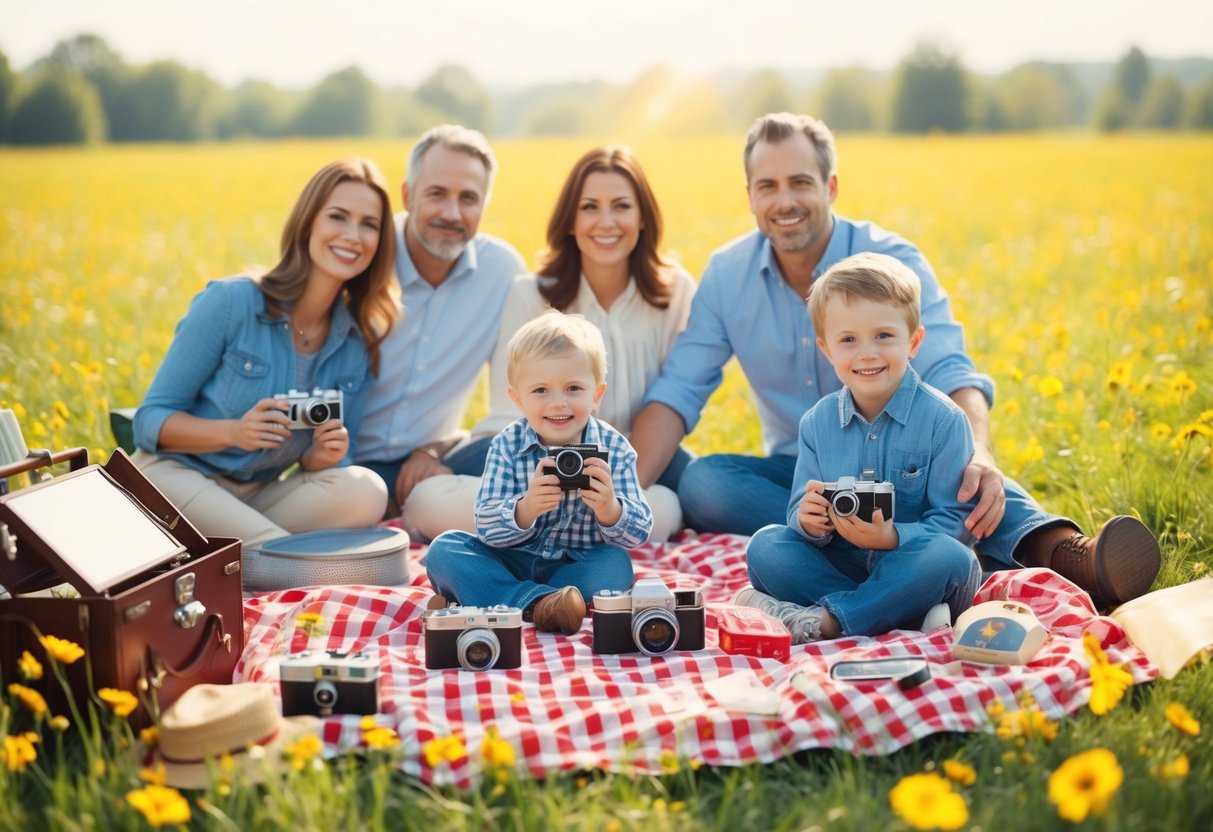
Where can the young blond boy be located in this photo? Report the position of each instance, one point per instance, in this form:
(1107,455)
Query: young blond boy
(540,547)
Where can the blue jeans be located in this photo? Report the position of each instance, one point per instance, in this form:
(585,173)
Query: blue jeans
(868,592)
(468,459)
(739,494)
(464,569)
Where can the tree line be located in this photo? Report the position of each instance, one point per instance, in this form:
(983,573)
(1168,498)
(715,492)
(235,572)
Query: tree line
(83,92)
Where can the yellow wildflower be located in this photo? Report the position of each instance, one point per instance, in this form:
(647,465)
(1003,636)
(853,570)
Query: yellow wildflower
(926,801)
(1084,784)
(377,737)
(1190,432)
(121,702)
(1183,721)
(1183,383)
(303,750)
(160,805)
(669,761)
(959,772)
(156,776)
(19,751)
(1160,431)
(496,751)
(1051,386)
(60,723)
(29,667)
(150,736)
(61,650)
(1176,769)
(450,749)
(311,623)
(30,698)
(1108,681)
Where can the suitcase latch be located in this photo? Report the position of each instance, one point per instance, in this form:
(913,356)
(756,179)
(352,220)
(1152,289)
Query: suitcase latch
(189,610)
(8,542)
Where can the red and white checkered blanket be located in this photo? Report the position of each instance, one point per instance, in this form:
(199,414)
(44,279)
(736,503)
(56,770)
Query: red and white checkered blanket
(568,708)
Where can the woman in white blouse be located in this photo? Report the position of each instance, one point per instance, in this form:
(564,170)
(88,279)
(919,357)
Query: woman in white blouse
(603,262)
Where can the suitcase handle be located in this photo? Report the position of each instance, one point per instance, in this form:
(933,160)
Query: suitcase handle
(155,669)
(76,457)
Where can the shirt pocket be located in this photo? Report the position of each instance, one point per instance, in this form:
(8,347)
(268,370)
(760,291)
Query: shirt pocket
(244,381)
(910,479)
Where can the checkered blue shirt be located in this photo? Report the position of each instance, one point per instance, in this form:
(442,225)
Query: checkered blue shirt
(512,457)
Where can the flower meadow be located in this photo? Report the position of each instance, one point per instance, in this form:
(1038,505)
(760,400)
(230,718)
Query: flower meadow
(1081,267)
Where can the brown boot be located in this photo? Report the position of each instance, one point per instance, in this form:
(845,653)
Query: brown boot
(560,612)
(1117,565)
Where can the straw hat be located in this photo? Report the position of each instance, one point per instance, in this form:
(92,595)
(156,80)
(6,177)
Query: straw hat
(210,721)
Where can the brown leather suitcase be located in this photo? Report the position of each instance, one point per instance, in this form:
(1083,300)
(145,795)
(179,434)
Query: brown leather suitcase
(156,605)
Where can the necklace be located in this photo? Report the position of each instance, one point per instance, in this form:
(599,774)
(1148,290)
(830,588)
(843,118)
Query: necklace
(306,338)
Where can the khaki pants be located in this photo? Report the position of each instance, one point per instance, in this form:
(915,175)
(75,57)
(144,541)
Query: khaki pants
(255,512)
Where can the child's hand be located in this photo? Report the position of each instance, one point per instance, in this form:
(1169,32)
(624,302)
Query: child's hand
(330,442)
(542,495)
(814,513)
(878,534)
(600,496)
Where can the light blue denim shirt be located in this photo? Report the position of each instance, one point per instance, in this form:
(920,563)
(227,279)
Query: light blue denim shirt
(921,442)
(433,356)
(744,307)
(227,354)
(512,458)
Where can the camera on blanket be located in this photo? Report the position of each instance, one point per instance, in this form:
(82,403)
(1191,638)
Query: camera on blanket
(860,498)
(329,682)
(309,410)
(650,618)
(569,464)
(473,638)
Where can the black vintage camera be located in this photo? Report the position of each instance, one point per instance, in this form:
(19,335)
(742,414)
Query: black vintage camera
(861,498)
(328,682)
(309,410)
(569,462)
(473,638)
(650,618)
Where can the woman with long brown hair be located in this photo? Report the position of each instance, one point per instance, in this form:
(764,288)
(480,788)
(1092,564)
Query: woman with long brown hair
(604,262)
(268,372)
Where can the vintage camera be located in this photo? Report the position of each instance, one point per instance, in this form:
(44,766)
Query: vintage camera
(309,410)
(569,462)
(850,496)
(473,638)
(329,682)
(650,618)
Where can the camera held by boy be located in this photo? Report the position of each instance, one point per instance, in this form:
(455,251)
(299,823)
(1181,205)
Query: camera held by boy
(828,572)
(548,539)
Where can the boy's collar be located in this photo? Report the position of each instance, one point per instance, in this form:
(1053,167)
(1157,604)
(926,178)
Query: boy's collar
(898,406)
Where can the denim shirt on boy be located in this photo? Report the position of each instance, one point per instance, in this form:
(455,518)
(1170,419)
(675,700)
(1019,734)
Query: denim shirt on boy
(744,306)
(571,526)
(921,442)
(227,354)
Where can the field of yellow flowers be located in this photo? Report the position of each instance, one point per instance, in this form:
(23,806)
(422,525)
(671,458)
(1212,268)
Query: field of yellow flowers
(1081,266)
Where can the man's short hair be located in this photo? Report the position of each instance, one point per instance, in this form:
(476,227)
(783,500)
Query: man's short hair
(455,137)
(557,333)
(777,127)
(869,276)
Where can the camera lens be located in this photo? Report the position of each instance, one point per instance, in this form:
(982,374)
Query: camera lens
(568,463)
(316,413)
(845,503)
(324,694)
(477,649)
(655,631)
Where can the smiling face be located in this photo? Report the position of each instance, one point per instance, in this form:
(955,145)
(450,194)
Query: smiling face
(789,196)
(870,344)
(607,223)
(345,232)
(445,202)
(557,394)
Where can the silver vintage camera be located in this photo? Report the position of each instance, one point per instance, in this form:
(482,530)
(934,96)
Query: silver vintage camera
(569,463)
(309,410)
(328,682)
(473,638)
(860,498)
(650,618)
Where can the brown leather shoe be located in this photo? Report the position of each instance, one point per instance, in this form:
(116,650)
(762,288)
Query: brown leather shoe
(1117,565)
(560,612)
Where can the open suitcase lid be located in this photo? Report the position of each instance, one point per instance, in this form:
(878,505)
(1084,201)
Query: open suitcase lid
(97,527)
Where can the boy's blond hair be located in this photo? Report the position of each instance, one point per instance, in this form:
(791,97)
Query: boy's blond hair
(556,333)
(870,276)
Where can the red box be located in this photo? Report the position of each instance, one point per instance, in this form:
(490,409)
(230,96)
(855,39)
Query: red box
(745,631)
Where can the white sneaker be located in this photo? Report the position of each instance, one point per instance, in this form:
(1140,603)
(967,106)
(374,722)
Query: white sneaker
(804,623)
(937,616)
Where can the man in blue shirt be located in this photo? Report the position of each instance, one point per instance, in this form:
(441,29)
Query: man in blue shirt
(454,282)
(751,303)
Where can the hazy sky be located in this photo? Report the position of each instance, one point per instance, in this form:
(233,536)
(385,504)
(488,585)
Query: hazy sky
(294,43)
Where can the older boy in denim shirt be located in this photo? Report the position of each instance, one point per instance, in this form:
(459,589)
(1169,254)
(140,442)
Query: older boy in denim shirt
(826,575)
(540,547)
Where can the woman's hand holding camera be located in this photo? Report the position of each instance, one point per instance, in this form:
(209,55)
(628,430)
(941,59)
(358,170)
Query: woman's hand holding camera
(263,426)
(600,496)
(542,495)
(330,443)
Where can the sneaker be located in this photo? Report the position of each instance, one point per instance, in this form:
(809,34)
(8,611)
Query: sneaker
(1117,565)
(937,616)
(804,623)
(559,612)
